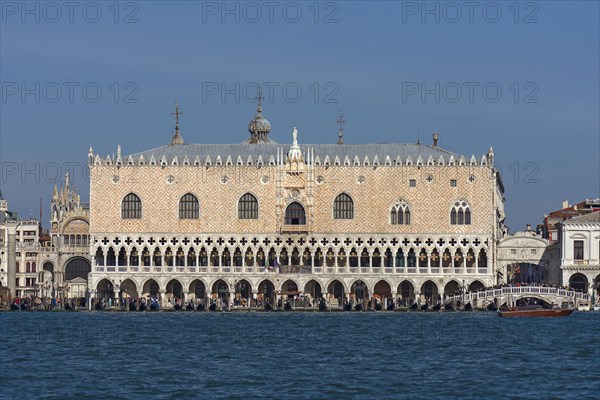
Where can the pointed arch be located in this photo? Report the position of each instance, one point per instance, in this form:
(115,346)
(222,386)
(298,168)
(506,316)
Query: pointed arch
(146,257)
(134,257)
(237,257)
(249,257)
(99,257)
(157,257)
(318,260)
(460,213)
(191,257)
(330,258)
(111,258)
(341,258)
(400,213)
(260,257)
(180,257)
(168,257)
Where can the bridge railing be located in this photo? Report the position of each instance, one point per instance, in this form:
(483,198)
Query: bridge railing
(520,290)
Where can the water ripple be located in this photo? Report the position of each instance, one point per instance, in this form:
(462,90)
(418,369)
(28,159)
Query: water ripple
(298,355)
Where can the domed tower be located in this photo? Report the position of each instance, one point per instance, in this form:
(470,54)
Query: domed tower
(259,127)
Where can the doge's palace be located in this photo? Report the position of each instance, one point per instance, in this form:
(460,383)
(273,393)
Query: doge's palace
(263,220)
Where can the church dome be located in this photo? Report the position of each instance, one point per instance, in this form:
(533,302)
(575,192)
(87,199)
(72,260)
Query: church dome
(259,125)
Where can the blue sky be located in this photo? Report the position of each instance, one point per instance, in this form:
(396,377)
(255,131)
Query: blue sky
(370,59)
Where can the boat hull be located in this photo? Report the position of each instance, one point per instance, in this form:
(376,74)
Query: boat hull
(548,312)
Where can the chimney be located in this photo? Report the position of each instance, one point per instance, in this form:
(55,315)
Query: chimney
(565,204)
(436,137)
(528,227)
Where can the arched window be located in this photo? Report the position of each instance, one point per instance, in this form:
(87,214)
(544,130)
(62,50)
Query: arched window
(343,207)
(131,207)
(295,215)
(248,207)
(189,208)
(460,213)
(400,213)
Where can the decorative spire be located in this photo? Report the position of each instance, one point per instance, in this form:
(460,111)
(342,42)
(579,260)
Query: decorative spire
(55,194)
(259,127)
(295,152)
(177,139)
(491,156)
(259,97)
(341,121)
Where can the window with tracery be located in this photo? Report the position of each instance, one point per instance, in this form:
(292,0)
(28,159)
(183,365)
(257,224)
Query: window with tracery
(460,213)
(400,213)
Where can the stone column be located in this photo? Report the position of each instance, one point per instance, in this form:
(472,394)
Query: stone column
(254,297)
(231,297)
(163,292)
(117,300)
(370,262)
(92,299)
(11,248)
(429,263)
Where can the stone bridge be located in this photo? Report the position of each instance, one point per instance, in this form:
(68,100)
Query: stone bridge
(510,295)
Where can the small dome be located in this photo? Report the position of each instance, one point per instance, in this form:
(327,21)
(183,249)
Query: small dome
(259,125)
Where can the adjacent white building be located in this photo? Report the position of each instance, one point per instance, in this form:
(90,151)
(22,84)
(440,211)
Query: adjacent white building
(579,241)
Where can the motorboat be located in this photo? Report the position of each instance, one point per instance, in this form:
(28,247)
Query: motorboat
(534,311)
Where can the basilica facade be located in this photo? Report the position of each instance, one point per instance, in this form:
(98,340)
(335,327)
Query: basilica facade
(266,220)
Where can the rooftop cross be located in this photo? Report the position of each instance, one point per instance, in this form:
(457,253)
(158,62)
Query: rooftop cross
(177,113)
(259,97)
(177,139)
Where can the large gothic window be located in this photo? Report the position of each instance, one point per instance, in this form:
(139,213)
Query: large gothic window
(400,213)
(343,207)
(460,213)
(189,208)
(295,215)
(248,207)
(131,207)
